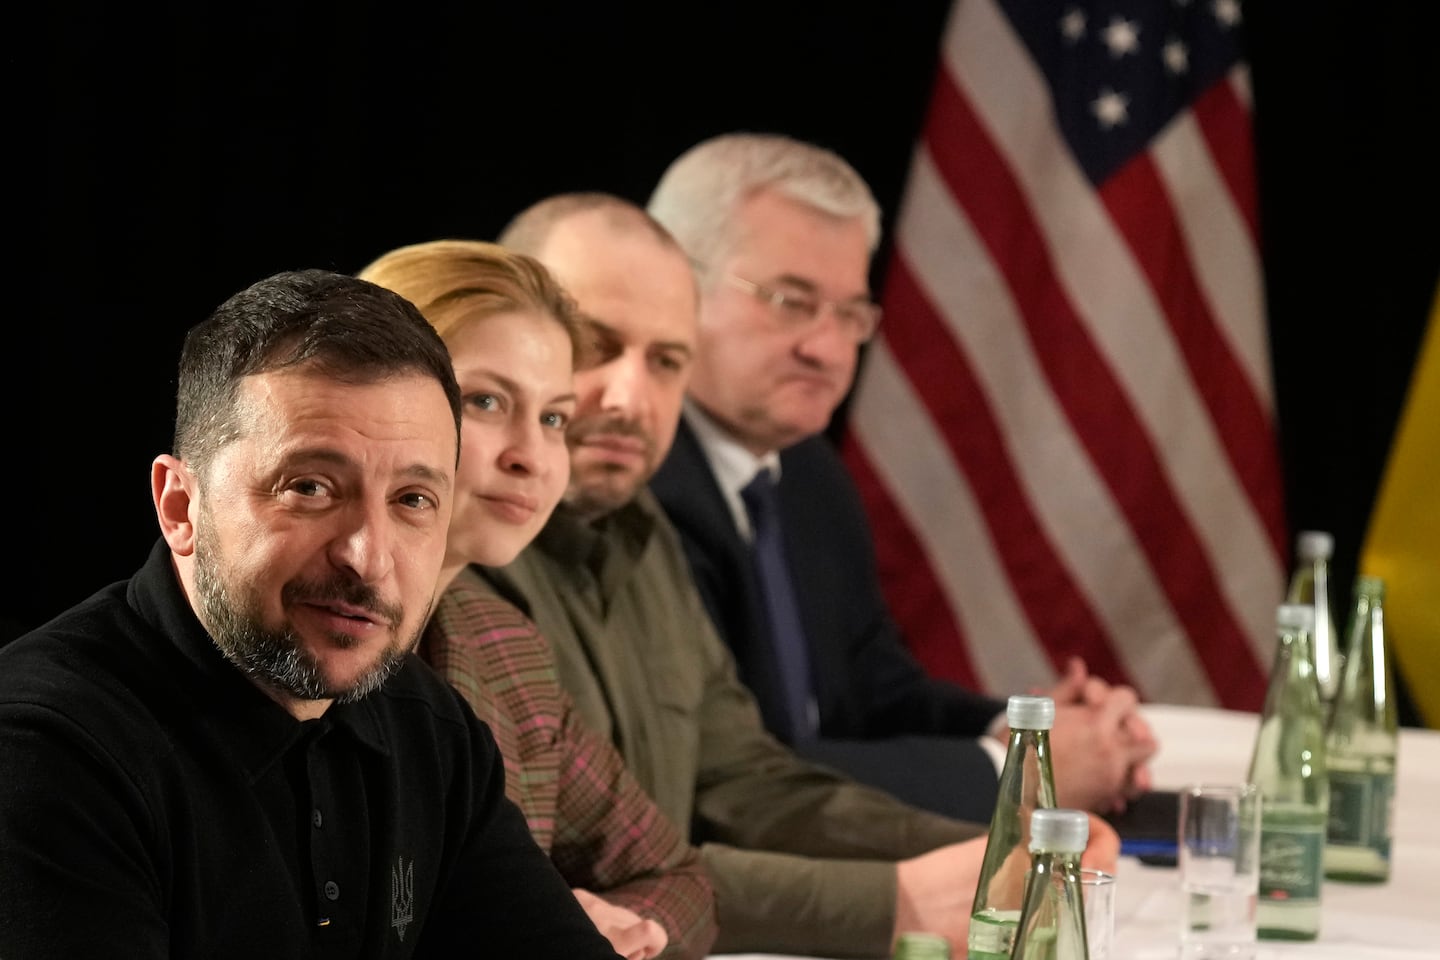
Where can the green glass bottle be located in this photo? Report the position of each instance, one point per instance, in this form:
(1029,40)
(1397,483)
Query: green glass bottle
(1027,783)
(1052,920)
(1288,767)
(921,946)
(1360,747)
(1310,584)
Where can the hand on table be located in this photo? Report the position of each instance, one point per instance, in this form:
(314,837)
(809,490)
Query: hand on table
(935,891)
(631,935)
(1102,850)
(1101,743)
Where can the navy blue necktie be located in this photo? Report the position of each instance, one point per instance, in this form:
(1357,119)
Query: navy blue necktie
(773,573)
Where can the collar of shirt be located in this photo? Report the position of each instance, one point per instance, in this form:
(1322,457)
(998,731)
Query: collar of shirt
(606,549)
(241,715)
(732,465)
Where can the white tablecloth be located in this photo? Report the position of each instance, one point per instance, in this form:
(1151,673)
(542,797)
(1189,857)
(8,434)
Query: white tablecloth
(1398,920)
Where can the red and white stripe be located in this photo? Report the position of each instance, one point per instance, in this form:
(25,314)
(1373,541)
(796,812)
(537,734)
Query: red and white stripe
(1064,432)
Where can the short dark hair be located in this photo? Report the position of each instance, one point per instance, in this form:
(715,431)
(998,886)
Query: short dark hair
(351,329)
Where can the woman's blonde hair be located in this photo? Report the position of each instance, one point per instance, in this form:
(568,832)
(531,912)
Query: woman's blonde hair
(454,282)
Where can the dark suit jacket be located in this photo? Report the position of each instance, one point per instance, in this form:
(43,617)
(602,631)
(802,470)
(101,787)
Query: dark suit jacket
(883,720)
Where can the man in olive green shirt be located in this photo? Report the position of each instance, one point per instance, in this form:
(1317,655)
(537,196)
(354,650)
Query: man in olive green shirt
(803,860)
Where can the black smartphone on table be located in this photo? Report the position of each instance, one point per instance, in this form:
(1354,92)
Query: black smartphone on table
(1149,827)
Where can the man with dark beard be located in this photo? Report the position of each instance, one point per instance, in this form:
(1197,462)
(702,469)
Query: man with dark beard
(235,753)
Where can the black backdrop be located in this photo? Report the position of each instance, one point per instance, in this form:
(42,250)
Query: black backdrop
(185,153)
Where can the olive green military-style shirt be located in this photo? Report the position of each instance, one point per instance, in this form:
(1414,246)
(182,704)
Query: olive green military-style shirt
(802,858)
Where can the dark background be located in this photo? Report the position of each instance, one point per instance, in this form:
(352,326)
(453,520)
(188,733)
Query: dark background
(182,154)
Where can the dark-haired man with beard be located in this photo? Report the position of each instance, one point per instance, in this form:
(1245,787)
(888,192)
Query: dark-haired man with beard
(234,754)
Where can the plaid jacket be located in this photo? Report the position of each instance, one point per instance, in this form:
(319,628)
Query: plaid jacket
(602,830)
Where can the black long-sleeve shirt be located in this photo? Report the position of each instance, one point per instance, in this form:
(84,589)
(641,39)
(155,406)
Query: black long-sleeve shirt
(155,803)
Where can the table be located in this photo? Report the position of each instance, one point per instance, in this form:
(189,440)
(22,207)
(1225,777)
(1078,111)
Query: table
(1398,920)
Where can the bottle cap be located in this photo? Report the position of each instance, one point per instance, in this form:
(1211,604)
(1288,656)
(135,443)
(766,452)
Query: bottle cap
(1314,545)
(1053,828)
(1370,586)
(1030,713)
(1295,616)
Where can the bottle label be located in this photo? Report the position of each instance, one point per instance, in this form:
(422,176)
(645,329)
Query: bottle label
(921,946)
(1291,861)
(1360,805)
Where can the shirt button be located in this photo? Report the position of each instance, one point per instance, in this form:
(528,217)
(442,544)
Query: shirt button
(316,818)
(332,890)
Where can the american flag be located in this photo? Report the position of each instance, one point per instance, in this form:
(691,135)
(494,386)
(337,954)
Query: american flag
(1064,434)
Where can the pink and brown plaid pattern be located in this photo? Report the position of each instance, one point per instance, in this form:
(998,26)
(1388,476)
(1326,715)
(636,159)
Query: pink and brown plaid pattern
(601,829)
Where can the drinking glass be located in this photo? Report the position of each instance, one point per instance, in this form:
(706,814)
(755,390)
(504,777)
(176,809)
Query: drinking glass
(1219,860)
(1098,889)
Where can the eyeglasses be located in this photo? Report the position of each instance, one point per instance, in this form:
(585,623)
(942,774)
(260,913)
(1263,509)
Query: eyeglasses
(859,318)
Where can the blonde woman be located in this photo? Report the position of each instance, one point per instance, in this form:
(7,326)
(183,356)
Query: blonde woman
(514,338)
